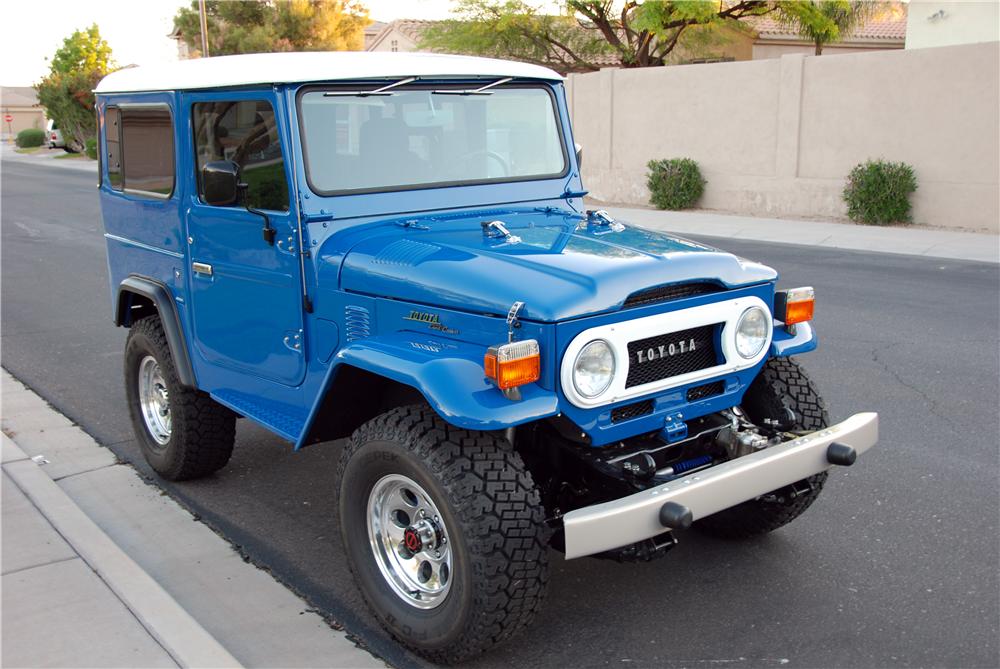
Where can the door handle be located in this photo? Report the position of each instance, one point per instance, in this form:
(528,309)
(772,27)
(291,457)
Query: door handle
(202,268)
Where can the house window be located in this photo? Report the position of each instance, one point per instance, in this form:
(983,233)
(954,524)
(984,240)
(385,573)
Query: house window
(246,133)
(395,45)
(139,144)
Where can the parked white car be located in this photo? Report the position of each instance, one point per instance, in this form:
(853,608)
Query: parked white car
(53,135)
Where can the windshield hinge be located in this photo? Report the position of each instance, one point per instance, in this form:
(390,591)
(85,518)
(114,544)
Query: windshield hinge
(412,224)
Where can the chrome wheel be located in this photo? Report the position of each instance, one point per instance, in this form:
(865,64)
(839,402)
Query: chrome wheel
(409,541)
(154,400)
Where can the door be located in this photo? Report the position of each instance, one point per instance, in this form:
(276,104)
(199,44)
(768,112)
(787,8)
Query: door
(246,294)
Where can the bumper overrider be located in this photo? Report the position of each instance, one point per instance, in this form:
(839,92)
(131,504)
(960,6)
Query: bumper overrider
(675,505)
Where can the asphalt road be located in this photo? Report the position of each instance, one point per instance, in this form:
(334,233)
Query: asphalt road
(896,565)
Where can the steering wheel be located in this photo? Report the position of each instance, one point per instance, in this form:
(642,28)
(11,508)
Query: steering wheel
(496,157)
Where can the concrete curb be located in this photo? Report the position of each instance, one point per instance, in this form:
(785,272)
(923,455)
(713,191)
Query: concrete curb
(184,639)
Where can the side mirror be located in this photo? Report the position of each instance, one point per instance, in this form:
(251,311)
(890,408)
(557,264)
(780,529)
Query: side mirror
(220,183)
(579,155)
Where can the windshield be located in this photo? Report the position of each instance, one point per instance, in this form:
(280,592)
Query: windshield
(429,137)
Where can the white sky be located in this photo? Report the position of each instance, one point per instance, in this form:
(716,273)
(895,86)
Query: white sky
(136,29)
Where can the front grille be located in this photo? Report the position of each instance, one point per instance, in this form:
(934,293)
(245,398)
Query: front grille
(671,354)
(630,411)
(708,390)
(668,293)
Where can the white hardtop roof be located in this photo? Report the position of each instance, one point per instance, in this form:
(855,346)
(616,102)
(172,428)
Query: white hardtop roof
(300,67)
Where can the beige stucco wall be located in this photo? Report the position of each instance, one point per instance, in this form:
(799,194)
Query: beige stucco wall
(778,137)
(24,118)
(762,50)
(935,23)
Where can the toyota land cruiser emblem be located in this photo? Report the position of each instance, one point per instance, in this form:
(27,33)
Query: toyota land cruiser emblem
(665,351)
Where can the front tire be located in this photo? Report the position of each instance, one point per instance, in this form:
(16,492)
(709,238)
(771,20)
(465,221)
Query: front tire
(444,532)
(782,384)
(182,432)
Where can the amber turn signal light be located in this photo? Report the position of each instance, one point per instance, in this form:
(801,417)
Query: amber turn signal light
(795,305)
(513,364)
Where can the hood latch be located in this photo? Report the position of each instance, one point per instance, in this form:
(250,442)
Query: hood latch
(497,230)
(601,222)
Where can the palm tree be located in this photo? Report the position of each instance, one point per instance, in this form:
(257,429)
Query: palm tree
(825,21)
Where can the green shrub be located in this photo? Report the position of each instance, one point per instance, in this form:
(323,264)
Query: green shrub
(91,148)
(878,192)
(30,137)
(674,184)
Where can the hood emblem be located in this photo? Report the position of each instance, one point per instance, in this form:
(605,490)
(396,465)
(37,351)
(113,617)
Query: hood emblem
(496,230)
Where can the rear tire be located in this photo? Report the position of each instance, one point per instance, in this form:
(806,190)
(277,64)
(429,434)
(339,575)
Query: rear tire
(183,433)
(440,482)
(782,384)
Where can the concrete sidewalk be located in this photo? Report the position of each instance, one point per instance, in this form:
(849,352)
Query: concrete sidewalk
(101,569)
(952,244)
(50,158)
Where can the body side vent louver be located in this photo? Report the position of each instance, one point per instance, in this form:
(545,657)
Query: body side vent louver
(357,322)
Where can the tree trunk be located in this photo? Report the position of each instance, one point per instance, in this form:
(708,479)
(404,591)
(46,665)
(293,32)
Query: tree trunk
(819,48)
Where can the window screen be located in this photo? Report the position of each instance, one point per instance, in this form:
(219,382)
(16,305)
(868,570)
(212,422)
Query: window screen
(147,150)
(246,133)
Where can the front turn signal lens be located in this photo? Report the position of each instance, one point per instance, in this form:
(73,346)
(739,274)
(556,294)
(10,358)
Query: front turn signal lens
(513,364)
(795,305)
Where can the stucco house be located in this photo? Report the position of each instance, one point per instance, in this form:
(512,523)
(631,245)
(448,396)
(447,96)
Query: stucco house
(21,102)
(935,23)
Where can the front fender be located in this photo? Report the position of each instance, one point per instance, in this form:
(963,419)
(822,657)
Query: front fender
(448,374)
(784,344)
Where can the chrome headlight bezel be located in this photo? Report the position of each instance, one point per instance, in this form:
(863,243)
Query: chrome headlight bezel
(593,391)
(761,337)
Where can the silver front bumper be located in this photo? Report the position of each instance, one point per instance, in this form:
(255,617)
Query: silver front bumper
(624,521)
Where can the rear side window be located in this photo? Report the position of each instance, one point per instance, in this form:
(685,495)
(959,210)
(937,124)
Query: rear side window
(140,150)
(245,132)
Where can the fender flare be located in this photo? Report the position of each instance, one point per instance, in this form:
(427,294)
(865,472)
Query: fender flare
(448,374)
(161,297)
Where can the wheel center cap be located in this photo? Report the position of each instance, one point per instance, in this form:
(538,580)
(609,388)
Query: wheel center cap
(422,535)
(412,540)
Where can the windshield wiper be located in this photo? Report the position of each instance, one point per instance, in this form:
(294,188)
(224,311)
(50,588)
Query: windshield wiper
(384,90)
(482,90)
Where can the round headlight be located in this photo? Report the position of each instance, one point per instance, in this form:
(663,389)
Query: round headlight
(751,332)
(594,368)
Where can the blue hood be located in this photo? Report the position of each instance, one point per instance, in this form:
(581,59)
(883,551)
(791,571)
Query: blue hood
(562,268)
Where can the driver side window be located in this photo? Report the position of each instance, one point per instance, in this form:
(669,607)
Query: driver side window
(244,131)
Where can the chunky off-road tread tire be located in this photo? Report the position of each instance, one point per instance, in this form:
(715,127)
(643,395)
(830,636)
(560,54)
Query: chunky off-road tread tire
(781,384)
(202,430)
(493,513)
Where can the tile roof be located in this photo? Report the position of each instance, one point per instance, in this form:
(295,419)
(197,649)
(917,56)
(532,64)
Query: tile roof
(890,26)
(18,96)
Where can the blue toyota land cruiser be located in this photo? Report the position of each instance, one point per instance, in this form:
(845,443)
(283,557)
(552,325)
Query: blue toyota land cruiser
(393,249)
